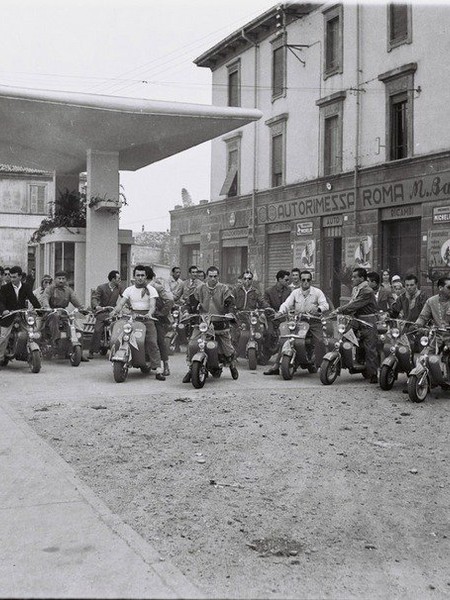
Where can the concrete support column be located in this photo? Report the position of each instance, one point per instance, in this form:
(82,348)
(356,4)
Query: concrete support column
(102,226)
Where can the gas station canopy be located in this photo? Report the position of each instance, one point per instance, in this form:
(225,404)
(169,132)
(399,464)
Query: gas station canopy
(53,131)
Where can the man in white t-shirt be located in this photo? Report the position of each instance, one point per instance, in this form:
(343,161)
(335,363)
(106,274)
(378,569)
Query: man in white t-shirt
(141,297)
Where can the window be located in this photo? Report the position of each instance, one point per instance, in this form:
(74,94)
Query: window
(399,24)
(277,149)
(230,187)
(333,56)
(399,126)
(278,67)
(331,150)
(399,85)
(64,259)
(37,199)
(234,85)
(277,160)
(331,126)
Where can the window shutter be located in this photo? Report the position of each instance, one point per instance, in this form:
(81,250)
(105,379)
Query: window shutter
(278,71)
(399,21)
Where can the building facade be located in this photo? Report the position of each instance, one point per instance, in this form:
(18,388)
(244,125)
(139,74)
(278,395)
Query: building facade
(350,163)
(26,196)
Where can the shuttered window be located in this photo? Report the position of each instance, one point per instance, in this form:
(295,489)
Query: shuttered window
(398,126)
(278,71)
(399,24)
(37,199)
(277,160)
(333,43)
(332,150)
(233,88)
(279,255)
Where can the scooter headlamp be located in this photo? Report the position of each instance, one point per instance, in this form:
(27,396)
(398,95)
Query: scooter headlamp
(31,320)
(203,327)
(341,328)
(175,314)
(127,328)
(424,340)
(126,337)
(395,332)
(291,325)
(253,320)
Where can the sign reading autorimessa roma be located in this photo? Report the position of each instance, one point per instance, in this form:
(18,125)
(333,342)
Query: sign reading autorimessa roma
(408,191)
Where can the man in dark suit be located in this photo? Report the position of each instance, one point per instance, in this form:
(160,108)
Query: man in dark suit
(13,296)
(106,294)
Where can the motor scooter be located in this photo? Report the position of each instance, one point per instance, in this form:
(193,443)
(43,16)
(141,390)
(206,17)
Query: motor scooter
(105,338)
(70,336)
(128,345)
(398,353)
(347,352)
(298,345)
(177,335)
(22,342)
(432,365)
(252,327)
(204,350)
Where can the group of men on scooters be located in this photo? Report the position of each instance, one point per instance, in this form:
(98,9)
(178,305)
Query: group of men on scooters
(212,296)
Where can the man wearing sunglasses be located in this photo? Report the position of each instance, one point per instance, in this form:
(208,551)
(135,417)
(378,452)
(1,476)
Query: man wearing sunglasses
(437,309)
(306,299)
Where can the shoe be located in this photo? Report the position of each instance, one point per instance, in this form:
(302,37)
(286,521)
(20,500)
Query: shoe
(166,371)
(90,355)
(405,390)
(234,372)
(373,379)
(272,371)
(187,377)
(159,376)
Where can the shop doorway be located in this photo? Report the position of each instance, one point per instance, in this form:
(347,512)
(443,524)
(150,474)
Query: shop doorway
(190,255)
(331,267)
(234,262)
(401,246)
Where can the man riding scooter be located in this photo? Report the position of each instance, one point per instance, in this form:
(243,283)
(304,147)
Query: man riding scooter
(216,298)
(141,297)
(13,296)
(105,295)
(311,300)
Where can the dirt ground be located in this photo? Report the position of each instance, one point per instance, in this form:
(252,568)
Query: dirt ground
(262,488)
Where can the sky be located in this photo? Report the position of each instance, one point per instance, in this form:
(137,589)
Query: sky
(134,48)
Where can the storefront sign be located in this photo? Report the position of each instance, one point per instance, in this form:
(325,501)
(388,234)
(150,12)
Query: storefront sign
(305,228)
(358,252)
(441,214)
(333,221)
(307,207)
(401,212)
(305,255)
(439,248)
(430,188)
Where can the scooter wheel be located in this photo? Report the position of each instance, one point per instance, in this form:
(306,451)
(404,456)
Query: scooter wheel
(252,361)
(199,374)
(286,368)
(75,356)
(34,360)
(418,388)
(387,377)
(120,371)
(329,370)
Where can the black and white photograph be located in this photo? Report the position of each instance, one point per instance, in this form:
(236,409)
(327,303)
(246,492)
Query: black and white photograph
(225,299)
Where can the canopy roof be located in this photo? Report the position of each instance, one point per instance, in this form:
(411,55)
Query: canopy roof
(51,130)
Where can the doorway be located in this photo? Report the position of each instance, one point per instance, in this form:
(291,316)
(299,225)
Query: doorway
(331,267)
(401,246)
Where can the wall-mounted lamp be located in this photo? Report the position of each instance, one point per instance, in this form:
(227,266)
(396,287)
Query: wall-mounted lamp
(328,186)
(208,211)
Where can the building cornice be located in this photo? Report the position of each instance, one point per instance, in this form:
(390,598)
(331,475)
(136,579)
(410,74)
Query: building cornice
(253,33)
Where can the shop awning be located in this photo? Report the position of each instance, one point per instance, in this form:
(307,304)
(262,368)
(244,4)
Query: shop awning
(53,130)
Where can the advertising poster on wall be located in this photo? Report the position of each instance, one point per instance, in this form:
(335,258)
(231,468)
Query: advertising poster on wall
(305,255)
(439,248)
(359,252)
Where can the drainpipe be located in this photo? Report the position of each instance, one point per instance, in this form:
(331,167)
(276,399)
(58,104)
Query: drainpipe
(358,108)
(255,131)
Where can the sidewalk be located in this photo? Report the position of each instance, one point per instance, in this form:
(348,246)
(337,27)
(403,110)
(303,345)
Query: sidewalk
(58,540)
